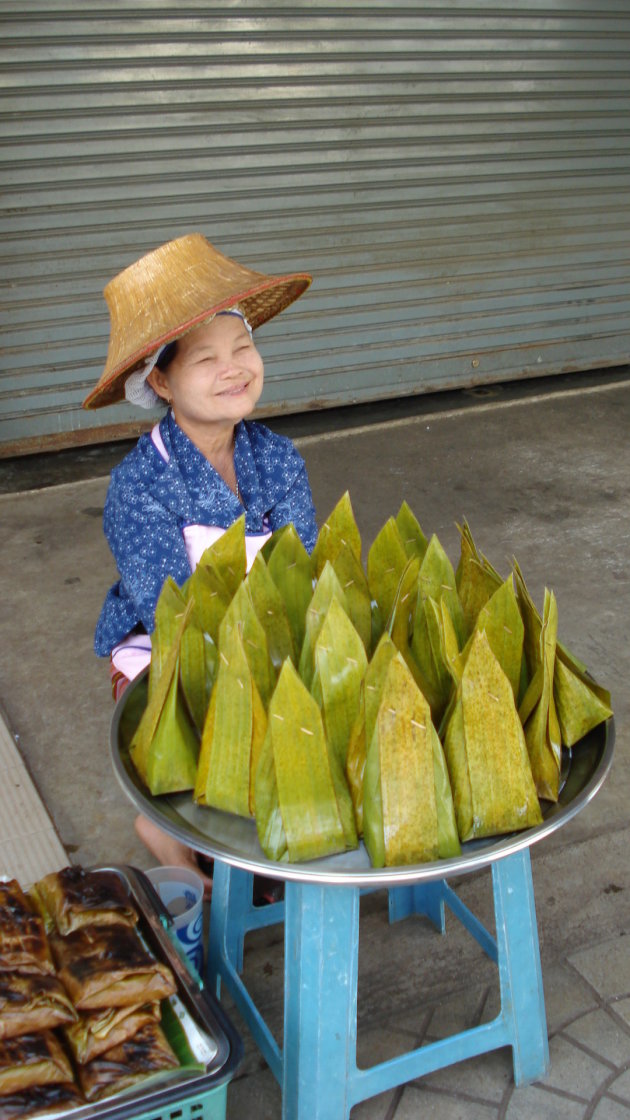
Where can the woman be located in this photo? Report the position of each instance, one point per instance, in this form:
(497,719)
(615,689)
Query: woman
(182,319)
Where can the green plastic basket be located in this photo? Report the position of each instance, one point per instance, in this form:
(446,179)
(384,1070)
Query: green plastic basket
(210,1105)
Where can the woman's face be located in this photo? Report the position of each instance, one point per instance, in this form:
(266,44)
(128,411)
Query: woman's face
(215,377)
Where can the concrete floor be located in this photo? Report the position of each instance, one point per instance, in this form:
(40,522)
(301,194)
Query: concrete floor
(541,471)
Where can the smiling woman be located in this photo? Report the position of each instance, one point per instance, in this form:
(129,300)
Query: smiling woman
(213,379)
(182,321)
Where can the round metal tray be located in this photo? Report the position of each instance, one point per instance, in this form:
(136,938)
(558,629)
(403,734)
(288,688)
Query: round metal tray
(235,840)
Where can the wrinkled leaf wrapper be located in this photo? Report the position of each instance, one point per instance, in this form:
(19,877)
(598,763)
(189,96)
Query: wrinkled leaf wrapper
(95,1032)
(75,897)
(486,753)
(313,798)
(108,966)
(49,1099)
(404,820)
(23,943)
(32,1059)
(126,1064)
(30,1003)
(340,664)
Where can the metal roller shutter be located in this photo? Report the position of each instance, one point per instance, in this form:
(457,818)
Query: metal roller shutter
(456,176)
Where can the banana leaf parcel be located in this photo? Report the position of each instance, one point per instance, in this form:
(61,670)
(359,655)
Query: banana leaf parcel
(291,569)
(303,806)
(165,746)
(233,733)
(408,814)
(581,703)
(486,753)
(475,578)
(327,588)
(339,543)
(271,610)
(414,541)
(363,727)
(387,559)
(339,529)
(538,710)
(340,664)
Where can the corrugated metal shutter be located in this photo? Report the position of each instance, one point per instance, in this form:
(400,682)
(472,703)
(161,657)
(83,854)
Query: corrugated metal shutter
(455,175)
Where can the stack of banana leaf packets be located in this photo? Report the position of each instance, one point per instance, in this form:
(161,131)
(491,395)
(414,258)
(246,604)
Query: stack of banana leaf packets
(402,702)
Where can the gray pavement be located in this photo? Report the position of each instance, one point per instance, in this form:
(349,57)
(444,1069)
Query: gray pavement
(541,471)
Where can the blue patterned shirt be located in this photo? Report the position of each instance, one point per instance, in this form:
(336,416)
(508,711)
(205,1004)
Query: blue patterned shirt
(150,500)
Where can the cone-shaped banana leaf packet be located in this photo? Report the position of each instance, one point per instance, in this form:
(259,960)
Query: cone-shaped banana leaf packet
(408,816)
(327,588)
(484,743)
(436,580)
(542,730)
(198,667)
(432,673)
(198,664)
(501,621)
(475,578)
(165,746)
(272,613)
(339,542)
(228,556)
(339,529)
(340,665)
(233,735)
(269,824)
(353,580)
(581,703)
(414,541)
(211,598)
(313,798)
(241,616)
(363,727)
(170,606)
(400,623)
(386,562)
(290,568)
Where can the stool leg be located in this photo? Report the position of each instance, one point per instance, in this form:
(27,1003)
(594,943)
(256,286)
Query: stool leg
(520,975)
(231,901)
(320,1001)
(418,898)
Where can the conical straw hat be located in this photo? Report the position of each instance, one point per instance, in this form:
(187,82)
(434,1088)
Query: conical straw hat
(170,291)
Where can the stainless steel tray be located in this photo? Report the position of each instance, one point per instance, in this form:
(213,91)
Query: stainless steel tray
(235,840)
(209,1032)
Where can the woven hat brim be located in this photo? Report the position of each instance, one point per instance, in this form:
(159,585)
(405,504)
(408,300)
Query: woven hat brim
(259,304)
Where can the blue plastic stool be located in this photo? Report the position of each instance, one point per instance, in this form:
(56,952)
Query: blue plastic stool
(317,1069)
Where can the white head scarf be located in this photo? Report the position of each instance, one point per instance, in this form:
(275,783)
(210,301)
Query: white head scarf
(137,391)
